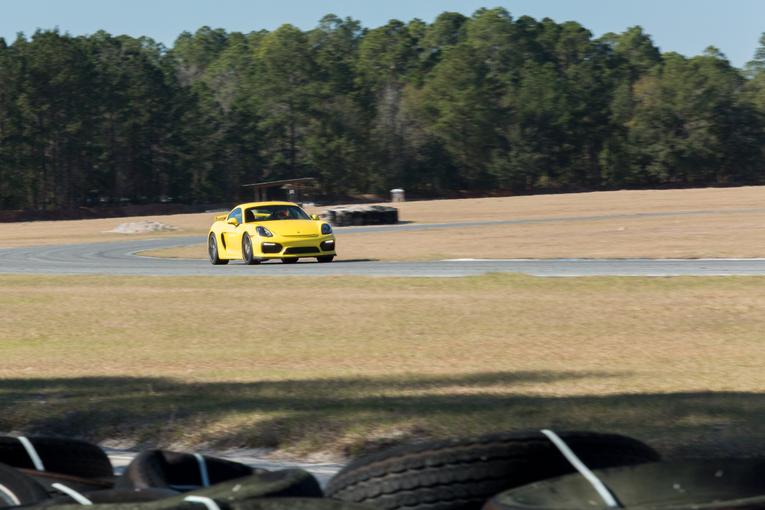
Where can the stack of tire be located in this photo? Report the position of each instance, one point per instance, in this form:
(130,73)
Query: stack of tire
(361,215)
(49,472)
(515,471)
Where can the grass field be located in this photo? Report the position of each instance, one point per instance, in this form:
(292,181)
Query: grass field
(340,364)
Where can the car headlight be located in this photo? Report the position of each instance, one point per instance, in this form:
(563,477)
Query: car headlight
(263,232)
(326,228)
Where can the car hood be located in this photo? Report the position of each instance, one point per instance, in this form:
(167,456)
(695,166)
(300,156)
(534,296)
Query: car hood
(293,228)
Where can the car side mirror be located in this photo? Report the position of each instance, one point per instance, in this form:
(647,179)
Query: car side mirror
(315,217)
(232,221)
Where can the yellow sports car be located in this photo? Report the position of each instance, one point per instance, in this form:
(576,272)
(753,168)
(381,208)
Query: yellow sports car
(259,231)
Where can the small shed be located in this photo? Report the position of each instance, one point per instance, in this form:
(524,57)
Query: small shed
(294,188)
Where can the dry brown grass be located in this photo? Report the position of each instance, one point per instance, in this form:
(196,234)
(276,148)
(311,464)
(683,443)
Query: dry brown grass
(509,208)
(583,204)
(34,233)
(337,363)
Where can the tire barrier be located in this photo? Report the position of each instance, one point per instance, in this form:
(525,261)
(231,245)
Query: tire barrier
(48,460)
(361,215)
(173,470)
(508,471)
(463,473)
(707,484)
(17,489)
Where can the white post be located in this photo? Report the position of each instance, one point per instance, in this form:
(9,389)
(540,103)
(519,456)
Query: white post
(397,195)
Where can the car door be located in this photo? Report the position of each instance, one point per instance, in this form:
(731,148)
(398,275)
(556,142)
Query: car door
(232,234)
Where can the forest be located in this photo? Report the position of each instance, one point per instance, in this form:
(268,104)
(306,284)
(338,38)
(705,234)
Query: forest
(480,104)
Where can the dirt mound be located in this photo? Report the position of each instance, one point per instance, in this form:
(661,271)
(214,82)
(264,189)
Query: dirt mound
(142,227)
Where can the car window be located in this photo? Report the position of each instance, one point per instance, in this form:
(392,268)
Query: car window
(236,213)
(276,212)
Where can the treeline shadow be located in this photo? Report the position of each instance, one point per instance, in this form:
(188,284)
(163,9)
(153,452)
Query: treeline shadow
(359,414)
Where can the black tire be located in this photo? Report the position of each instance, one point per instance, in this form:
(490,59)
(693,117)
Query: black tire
(59,456)
(170,470)
(212,252)
(325,258)
(18,489)
(285,483)
(117,496)
(289,260)
(708,484)
(297,504)
(287,503)
(247,254)
(461,474)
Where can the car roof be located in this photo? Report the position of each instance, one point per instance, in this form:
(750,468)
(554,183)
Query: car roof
(260,204)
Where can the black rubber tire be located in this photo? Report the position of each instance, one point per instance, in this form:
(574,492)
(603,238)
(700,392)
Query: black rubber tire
(212,252)
(290,260)
(19,489)
(284,483)
(59,456)
(297,504)
(247,254)
(707,484)
(166,470)
(286,503)
(461,474)
(116,496)
(325,258)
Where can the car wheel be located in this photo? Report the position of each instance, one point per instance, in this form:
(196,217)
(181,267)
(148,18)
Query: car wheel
(247,254)
(326,258)
(289,260)
(212,251)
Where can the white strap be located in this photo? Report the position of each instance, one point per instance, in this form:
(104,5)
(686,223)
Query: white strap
(596,483)
(202,470)
(8,495)
(208,502)
(29,447)
(72,493)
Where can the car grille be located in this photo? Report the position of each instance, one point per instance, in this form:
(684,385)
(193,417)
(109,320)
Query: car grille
(301,250)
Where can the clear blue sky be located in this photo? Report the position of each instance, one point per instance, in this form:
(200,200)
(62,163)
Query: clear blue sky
(685,26)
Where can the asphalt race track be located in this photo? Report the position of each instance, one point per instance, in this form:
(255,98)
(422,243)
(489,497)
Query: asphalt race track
(119,258)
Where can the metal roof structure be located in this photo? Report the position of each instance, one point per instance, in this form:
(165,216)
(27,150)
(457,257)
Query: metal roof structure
(261,187)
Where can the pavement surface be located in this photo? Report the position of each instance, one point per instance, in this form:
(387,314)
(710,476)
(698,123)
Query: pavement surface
(119,258)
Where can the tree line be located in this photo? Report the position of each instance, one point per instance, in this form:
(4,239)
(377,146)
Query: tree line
(480,103)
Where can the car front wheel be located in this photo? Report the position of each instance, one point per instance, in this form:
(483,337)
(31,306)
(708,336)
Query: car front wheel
(212,251)
(247,254)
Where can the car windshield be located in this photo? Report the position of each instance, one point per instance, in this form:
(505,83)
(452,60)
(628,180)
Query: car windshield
(275,212)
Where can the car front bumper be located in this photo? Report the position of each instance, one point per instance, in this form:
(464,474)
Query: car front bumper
(279,247)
